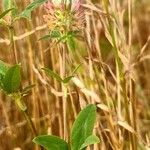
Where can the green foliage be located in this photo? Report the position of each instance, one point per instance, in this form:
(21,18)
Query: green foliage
(27,11)
(70,40)
(51,142)
(11,80)
(45,37)
(54,34)
(7,4)
(75,70)
(3,69)
(68,37)
(67,79)
(27,89)
(53,74)
(18,100)
(71,43)
(57,76)
(83,126)
(10,4)
(81,135)
(5,12)
(92,139)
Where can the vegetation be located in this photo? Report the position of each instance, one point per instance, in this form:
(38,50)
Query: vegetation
(74,75)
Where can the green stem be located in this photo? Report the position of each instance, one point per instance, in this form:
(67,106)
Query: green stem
(30,122)
(22,106)
(12,43)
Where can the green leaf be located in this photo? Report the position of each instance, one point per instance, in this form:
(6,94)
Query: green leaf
(73,33)
(27,89)
(71,43)
(51,142)
(63,38)
(66,37)
(67,79)
(15,11)
(92,139)
(69,38)
(5,12)
(7,4)
(53,74)
(55,34)
(45,37)
(27,12)
(12,79)
(75,70)
(83,126)
(3,68)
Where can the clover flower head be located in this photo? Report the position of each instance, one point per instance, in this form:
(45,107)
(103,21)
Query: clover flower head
(65,16)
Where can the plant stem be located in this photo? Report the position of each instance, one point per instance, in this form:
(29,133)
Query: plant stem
(12,43)
(30,122)
(64,98)
(21,105)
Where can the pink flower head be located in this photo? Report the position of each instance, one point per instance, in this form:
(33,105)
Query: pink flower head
(76,5)
(49,7)
(60,15)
